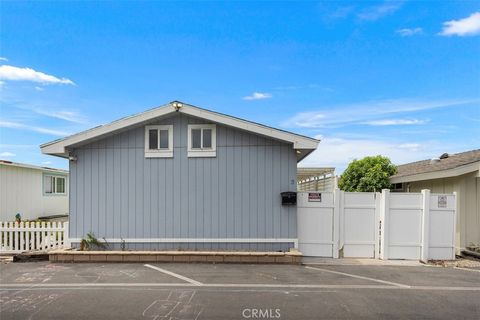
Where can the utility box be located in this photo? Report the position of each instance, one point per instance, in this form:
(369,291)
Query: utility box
(289,198)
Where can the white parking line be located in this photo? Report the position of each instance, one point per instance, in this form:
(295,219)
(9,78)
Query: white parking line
(361,277)
(467,269)
(173,274)
(228,286)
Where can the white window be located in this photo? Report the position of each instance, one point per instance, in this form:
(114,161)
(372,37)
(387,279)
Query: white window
(202,140)
(159,141)
(53,185)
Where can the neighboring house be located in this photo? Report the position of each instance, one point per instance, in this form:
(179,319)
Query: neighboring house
(33,192)
(179,176)
(459,173)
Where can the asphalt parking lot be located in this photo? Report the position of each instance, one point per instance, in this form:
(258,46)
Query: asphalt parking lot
(45,290)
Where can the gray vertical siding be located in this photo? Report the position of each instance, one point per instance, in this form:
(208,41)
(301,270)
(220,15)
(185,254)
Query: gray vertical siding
(118,193)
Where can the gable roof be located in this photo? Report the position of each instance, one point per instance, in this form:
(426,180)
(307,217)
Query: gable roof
(448,165)
(303,144)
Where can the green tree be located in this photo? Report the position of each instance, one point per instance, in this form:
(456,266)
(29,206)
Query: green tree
(370,174)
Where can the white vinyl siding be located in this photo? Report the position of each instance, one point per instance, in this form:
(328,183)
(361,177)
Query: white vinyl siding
(202,140)
(159,141)
(22,191)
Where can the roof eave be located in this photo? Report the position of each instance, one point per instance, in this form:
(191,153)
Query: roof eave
(439,174)
(59,147)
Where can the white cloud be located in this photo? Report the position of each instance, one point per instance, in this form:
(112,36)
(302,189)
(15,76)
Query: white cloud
(51,132)
(8,124)
(339,152)
(340,115)
(3,59)
(395,122)
(7,154)
(376,12)
(469,26)
(408,32)
(66,115)
(16,125)
(39,88)
(11,73)
(341,12)
(303,87)
(46,162)
(258,96)
(17,146)
(413,147)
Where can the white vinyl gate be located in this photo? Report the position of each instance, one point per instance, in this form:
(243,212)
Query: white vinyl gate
(317,221)
(359,222)
(371,225)
(418,226)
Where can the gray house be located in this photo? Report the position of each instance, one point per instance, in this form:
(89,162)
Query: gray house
(183,177)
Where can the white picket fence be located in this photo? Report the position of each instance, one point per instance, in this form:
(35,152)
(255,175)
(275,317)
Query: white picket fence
(33,236)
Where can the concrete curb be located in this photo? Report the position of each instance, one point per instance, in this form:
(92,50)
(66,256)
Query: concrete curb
(63,256)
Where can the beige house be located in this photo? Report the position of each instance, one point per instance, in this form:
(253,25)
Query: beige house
(33,192)
(449,173)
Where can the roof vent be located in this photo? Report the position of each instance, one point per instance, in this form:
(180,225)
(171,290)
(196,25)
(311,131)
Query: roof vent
(444,156)
(434,160)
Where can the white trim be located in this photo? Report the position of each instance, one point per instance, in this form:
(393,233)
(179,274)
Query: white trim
(59,147)
(210,152)
(199,240)
(299,142)
(159,153)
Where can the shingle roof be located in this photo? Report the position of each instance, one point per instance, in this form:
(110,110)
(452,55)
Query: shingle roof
(452,161)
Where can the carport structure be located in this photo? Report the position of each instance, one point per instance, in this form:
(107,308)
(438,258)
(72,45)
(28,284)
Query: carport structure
(320,179)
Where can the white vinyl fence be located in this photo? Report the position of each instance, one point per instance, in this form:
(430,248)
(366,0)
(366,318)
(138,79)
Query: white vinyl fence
(317,222)
(30,236)
(418,226)
(359,216)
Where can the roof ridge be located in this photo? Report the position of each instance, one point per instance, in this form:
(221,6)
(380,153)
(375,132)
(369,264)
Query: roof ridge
(59,147)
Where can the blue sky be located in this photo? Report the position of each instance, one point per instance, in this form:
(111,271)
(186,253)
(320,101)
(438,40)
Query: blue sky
(396,78)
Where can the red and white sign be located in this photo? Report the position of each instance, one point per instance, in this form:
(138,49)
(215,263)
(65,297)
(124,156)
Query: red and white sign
(314,197)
